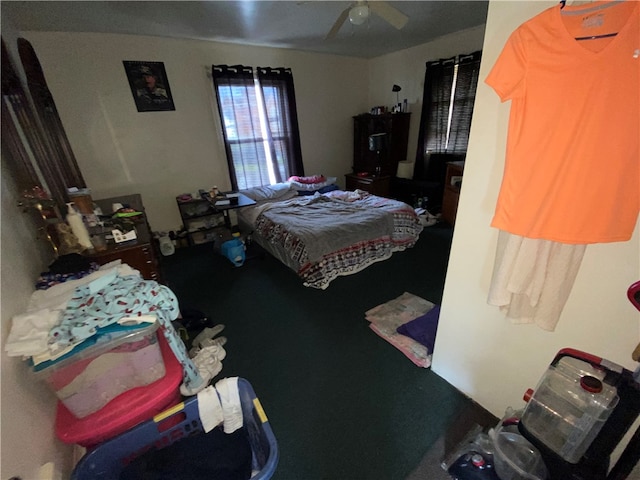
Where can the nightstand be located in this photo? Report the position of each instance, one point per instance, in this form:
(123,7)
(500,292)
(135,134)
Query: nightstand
(452,184)
(380,186)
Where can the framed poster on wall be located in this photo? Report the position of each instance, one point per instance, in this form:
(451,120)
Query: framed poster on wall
(149,86)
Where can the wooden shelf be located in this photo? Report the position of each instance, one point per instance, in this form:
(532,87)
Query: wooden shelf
(200,220)
(396,126)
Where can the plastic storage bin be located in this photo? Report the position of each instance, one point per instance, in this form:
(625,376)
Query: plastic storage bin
(126,410)
(109,459)
(100,369)
(514,457)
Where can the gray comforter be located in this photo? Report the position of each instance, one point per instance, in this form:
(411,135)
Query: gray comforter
(325,224)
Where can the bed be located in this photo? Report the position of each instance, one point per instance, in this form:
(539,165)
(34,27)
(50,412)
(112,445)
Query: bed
(326,233)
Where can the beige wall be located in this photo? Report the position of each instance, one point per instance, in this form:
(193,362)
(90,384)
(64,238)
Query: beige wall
(477,349)
(163,154)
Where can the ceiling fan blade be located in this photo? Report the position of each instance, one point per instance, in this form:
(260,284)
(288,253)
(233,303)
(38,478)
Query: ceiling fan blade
(338,24)
(391,14)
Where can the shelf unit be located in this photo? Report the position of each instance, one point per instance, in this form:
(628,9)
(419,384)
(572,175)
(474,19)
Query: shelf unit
(201,221)
(396,126)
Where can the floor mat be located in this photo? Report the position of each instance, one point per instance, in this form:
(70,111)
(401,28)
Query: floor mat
(386,318)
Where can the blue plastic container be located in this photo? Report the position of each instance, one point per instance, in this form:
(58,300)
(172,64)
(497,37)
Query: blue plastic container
(234,251)
(107,461)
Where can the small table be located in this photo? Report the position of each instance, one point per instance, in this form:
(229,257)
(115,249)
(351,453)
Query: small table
(227,201)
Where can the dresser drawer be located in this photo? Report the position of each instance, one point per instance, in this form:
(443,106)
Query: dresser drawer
(379,186)
(140,257)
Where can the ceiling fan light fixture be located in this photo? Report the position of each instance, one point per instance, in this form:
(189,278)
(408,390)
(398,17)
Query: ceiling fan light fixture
(358,14)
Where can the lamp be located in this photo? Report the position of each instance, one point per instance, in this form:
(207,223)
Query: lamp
(377,142)
(358,14)
(397,88)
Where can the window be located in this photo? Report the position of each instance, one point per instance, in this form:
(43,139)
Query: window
(447,104)
(259,123)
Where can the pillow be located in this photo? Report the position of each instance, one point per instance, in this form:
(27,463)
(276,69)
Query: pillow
(311,179)
(423,329)
(311,187)
(268,192)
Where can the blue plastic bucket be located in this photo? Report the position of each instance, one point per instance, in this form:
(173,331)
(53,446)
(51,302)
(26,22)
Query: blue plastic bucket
(234,251)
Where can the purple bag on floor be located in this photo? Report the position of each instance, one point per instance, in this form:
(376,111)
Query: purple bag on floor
(423,329)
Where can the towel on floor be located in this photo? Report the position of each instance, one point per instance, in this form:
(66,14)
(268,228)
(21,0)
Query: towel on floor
(386,318)
(532,278)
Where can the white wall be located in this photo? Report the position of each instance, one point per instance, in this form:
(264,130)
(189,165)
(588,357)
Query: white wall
(163,154)
(477,349)
(28,406)
(27,438)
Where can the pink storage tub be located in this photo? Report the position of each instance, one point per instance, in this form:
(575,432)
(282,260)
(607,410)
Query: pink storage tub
(126,410)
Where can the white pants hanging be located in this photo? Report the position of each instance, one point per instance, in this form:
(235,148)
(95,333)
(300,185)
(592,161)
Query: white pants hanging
(532,278)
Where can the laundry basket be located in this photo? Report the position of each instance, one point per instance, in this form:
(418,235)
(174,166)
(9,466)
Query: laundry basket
(108,460)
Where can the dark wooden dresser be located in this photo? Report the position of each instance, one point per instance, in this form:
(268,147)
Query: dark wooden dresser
(380,186)
(140,253)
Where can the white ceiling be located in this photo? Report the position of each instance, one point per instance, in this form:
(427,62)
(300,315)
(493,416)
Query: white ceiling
(300,25)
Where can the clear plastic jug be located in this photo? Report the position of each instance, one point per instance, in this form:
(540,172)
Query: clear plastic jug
(570,405)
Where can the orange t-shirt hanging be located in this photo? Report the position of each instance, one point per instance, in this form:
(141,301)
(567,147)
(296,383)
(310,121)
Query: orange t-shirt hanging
(572,168)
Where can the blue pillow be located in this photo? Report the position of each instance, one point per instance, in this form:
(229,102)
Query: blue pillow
(423,329)
(325,189)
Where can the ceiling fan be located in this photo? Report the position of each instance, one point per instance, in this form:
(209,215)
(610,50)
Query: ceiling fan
(359,12)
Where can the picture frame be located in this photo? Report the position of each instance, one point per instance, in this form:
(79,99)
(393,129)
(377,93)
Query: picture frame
(149,85)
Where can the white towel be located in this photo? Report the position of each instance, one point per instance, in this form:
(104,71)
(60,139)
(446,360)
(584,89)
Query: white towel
(532,278)
(209,409)
(230,399)
(30,332)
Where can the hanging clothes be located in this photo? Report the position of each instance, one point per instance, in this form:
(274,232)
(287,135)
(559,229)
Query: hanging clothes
(532,278)
(572,168)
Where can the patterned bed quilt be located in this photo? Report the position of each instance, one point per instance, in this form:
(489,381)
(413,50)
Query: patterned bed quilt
(338,233)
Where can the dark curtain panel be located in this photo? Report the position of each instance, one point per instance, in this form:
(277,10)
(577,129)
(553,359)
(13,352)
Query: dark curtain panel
(436,97)
(437,107)
(280,104)
(463,101)
(61,165)
(238,107)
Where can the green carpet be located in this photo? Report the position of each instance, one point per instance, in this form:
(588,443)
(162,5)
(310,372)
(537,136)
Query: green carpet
(343,403)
